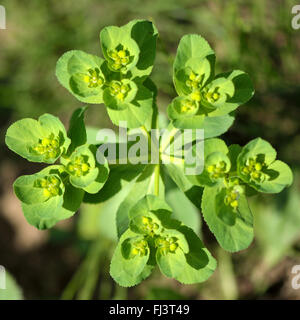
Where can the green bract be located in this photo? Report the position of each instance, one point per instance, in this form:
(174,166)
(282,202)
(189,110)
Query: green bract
(205,97)
(257,166)
(119,49)
(153,238)
(84,171)
(84,75)
(129,54)
(216,164)
(46,197)
(119,94)
(42,140)
(136,113)
(232,227)
(133,194)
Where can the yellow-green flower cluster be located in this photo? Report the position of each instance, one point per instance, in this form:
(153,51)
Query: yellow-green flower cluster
(194,83)
(149,226)
(78,167)
(197,93)
(140,248)
(188,105)
(253,169)
(120,58)
(217,170)
(119,90)
(93,79)
(48,147)
(166,244)
(212,95)
(50,186)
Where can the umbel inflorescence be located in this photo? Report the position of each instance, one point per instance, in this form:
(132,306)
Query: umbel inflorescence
(148,235)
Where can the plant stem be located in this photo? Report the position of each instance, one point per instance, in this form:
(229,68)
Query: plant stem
(168,140)
(171,159)
(156,180)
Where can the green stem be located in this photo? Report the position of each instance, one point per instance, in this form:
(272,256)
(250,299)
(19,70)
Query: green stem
(156,180)
(173,160)
(146,133)
(168,140)
(93,270)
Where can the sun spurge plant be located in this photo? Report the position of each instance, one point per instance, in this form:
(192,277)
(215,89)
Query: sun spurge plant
(77,172)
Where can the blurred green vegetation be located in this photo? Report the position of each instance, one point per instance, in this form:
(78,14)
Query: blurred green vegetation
(251,35)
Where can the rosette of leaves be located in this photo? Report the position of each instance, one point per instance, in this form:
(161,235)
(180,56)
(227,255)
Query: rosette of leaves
(205,100)
(154,238)
(134,194)
(42,140)
(228,177)
(117,80)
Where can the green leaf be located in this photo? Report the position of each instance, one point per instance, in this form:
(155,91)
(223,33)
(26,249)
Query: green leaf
(28,191)
(171,230)
(257,147)
(176,172)
(44,215)
(150,203)
(125,271)
(25,135)
(233,152)
(84,178)
(121,180)
(276,174)
(145,34)
(210,148)
(224,88)
(92,178)
(136,224)
(138,112)
(115,39)
(98,184)
(110,96)
(135,263)
(175,109)
(231,237)
(212,126)
(201,68)
(281,177)
(243,92)
(192,47)
(215,126)
(172,263)
(70,70)
(200,264)
(143,185)
(77,132)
